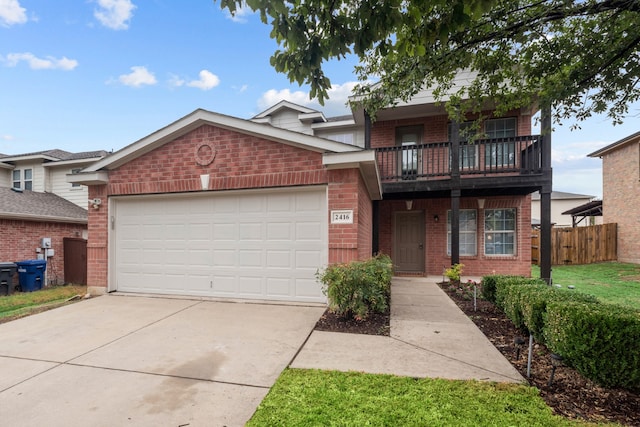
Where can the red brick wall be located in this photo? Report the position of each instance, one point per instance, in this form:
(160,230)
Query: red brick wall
(621,186)
(383,133)
(240,161)
(21,238)
(436,235)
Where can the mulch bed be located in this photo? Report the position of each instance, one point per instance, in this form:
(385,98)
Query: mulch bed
(570,394)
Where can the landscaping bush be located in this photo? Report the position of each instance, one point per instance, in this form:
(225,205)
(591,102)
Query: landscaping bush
(358,288)
(504,285)
(601,341)
(533,301)
(489,287)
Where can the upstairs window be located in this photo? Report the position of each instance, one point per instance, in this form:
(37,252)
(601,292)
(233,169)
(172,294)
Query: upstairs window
(468,152)
(73,172)
(408,137)
(22,179)
(502,154)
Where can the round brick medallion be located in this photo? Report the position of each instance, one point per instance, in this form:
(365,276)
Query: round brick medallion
(205,153)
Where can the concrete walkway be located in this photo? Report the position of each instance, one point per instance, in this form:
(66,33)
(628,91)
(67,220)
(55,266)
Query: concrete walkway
(430,337)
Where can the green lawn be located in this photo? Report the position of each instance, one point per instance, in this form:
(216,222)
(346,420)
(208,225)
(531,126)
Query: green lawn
(24,303)
(612,282)
(329,398)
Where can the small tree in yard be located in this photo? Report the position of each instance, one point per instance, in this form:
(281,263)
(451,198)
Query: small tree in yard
(358,288)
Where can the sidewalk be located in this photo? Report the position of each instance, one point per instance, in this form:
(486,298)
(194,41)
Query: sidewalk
(430,337)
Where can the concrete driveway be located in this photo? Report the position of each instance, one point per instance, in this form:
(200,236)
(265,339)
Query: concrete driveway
(127,360)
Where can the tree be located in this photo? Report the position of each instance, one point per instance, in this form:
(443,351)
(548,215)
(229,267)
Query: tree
(581,56)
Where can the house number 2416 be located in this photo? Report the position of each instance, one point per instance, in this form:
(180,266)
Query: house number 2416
(342,217)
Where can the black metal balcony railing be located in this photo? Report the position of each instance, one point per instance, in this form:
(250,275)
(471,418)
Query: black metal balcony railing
(487,157)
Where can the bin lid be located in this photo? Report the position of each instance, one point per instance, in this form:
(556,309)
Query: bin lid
(7,264)
(31,262)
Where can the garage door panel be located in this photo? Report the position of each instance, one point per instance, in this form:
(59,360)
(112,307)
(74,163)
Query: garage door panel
(259,245)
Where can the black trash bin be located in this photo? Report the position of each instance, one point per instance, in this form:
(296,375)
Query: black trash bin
(31,274)
(7,270)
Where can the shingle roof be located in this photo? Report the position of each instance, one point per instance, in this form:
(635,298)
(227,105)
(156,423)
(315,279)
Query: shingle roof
(60,154)
(557,195)
(33,205)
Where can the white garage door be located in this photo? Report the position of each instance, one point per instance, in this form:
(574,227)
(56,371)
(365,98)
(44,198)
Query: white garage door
(246,244)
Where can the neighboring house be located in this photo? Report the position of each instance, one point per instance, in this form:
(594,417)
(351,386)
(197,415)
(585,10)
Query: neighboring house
(562,202)
(213,205)
(37,202)
(620,191)
(28,216)
(46,171)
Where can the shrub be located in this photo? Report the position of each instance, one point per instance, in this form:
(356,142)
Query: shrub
(489,287)
(503,285)
(601,341)
(534,301)
(454,272)
(358,288)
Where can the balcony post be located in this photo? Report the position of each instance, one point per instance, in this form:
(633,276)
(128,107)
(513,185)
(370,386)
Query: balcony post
(545,196)
(367,130)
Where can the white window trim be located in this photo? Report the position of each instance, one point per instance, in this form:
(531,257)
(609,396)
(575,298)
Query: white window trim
(474,233)
(514,232)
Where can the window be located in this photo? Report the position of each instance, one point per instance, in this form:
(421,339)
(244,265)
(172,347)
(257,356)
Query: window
(500,231)
(28,179)
(73,172)
(408,137)
(500,153)
(23,179)
(468,232)
(17,183)
(468,152)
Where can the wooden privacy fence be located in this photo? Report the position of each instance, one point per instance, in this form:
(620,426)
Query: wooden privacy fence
(579,245)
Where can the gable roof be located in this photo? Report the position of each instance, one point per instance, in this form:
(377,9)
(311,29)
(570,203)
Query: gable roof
(36,206)
(202,117)
(54,155)
(618,144)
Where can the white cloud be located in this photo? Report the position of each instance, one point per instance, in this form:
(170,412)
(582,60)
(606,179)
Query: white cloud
(207,81)
(176,81)
(240,15)
(12,13)
(35,63)
(114,14)
(7,137)
(138,77)
(334,106)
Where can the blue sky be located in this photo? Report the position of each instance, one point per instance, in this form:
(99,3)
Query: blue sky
(101,74)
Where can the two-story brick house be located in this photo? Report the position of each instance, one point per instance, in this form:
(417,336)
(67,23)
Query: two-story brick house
(220,206)
(620,190)
(36,202)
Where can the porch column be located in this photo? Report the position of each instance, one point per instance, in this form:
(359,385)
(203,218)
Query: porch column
(375,227)
(545,196)
(454,143)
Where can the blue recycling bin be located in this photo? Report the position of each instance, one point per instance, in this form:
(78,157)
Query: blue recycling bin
(31,274)
(7,270)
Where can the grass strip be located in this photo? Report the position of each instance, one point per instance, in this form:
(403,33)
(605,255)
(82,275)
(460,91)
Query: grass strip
(329,398)
(22,303)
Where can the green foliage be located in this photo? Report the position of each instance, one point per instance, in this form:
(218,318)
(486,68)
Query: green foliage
(330,398)
(454,272)
(533,305)
(580,55)
(504,285)
(601,341)
(358,288)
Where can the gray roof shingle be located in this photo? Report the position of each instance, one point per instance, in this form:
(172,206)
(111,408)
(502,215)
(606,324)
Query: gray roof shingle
(33,205)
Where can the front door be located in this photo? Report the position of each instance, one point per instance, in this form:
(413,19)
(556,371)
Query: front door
(409,241)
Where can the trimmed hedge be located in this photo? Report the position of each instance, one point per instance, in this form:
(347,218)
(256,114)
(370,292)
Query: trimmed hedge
(601,341)
(358,288)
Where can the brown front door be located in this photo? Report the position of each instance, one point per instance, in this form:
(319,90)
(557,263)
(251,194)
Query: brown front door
(409,241)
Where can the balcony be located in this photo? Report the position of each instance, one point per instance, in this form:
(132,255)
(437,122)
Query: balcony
(488,164)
